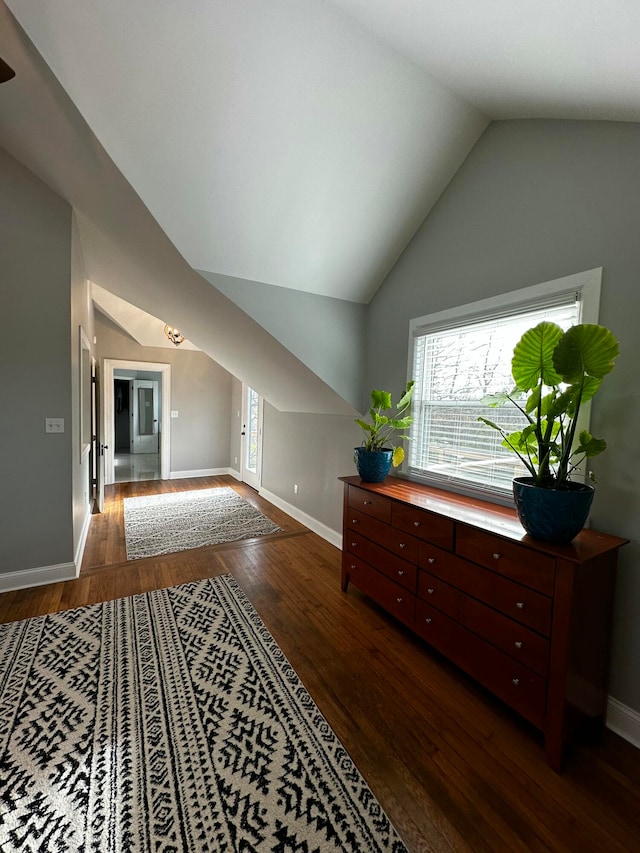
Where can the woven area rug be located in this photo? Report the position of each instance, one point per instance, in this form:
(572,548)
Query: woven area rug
(170,721)
(163,524)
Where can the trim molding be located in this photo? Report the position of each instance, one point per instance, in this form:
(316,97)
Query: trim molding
(83,540)
(332,536)
(624,721)
(201,472)
(39,576)
(109,366)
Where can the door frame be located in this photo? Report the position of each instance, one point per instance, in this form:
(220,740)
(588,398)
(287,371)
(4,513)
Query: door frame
(97,445)
(109,366)
(247,476)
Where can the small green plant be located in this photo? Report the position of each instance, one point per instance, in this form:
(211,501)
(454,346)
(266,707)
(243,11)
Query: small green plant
(382,430)
(558,371)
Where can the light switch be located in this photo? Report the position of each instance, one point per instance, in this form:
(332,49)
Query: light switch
(54,424)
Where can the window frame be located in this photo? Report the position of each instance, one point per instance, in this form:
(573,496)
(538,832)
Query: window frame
(587,284)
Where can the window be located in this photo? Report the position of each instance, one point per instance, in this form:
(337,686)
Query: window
(458,357)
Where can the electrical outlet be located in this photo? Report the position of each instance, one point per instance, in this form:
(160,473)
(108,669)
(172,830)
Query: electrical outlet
(54,424)
(295,488)
(174,414)
(235,460)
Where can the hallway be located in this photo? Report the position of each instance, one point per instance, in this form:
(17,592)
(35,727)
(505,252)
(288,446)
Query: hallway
(128,467)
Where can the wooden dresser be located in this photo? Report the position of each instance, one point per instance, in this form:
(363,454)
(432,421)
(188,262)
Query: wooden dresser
(529,621)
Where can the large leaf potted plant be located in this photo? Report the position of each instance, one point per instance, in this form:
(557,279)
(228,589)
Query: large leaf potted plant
(555,373)
(379,449)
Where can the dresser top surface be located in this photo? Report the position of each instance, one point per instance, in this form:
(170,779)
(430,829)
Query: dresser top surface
(500,520)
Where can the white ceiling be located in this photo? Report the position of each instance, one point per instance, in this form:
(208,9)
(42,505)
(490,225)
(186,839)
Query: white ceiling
(301,144)
(576,59)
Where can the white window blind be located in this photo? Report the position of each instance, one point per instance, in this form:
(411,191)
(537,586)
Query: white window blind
(455,364)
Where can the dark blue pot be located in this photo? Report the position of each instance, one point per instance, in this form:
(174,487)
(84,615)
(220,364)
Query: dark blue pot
(373,465)
(552,515)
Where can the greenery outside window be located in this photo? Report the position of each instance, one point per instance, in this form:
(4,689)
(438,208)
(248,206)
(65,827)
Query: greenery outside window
(457,357)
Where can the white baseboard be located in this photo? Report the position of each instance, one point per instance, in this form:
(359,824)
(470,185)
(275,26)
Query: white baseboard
(202,472)
(233,473)
(37,576)
(624,721)
(332,536)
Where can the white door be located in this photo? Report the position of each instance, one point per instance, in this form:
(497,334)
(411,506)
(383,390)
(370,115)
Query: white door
(144,416)
(251,445)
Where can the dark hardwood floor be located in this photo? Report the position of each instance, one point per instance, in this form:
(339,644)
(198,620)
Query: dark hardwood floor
(452,767)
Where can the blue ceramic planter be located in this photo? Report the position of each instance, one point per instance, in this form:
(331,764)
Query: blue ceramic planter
(373,465)
(552,515)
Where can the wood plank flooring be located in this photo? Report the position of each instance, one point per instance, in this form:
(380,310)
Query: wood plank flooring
(452,767)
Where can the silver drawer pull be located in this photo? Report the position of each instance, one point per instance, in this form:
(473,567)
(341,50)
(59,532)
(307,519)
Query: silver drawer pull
(399,600)
(354,521)
(518,644)
(520,605)
(431,560)
(430,590)
(515,681)
(366,503)
(416,524)
(428,620)
(352,566)
(400,572)
(354,544)
(496,556)
(402,545)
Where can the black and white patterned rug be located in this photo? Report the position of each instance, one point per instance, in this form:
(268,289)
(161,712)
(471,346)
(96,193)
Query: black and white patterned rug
(170,721)
(176,521)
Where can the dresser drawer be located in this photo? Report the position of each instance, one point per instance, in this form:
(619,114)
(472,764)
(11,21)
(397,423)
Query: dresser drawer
(435,560)
(393,597)
(516,562)
(517,685)
(365,524)
(393,540)
(439,594)
(385,562)
(425,525)
(399,542)
(511,681)
(372,504)
(516,601)
(526,606)
(433,626)
(509,636)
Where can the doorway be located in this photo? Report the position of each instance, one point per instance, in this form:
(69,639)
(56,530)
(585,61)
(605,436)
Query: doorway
(137,411)
(251,437)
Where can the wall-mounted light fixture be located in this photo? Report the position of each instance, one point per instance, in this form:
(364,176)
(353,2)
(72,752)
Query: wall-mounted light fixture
(174,335)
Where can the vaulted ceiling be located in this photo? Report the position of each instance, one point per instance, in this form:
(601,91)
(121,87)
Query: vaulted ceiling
(301,144)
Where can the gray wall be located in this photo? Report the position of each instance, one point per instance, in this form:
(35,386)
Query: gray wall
(312,451)
(534,201)
(35,374)
(200,392)
(326,334)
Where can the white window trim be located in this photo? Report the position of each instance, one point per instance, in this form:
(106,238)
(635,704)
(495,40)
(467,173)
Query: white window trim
(587,283)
